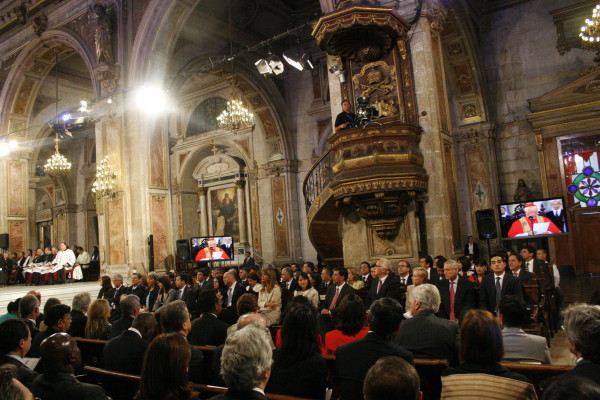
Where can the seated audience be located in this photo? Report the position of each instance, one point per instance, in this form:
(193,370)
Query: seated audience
(350,325)
(137,287)
(12,310)
(51,302)
(219,286)
(481,270)
(10,387)
(419,277)
(175,318)
(130,307)
(164,292)
(426,335)
(97,325)
(151,292)
(29,309)
(497,285)
(15,342)
(354,359)
(518,345)
(254,285)
(107,291)
(125,353)
(305,289)
(582,326)
(79,309)
(246,365)
(392,378)
(247,303)
(385,284)
(57,319)
(515,264)
(269,296)
(208,330)
(164,373)
(337,290)
(480,354)
(572,387)
(299,356)
(61,357)
(233,292)
(457,293)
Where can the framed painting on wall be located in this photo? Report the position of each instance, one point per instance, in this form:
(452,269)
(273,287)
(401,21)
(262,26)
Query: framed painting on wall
(224,213)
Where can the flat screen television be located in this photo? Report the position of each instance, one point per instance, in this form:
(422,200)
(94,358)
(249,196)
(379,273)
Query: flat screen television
(529,219)
(212,248)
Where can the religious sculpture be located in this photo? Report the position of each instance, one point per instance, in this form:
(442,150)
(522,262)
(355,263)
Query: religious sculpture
(102,35)
(522,193)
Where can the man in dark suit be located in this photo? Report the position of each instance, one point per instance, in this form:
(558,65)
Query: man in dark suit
(386,284)
(15,342)
(208,330)
(497,285)
(125,353)
(457,294)
(175,318)
(537,267)
(335,293)
(184,292)
(29,310)
(137,288)
(365,275)
(557,215)
(57,319)
(404,275)
(203,282)
(354,359)
(61,358)
(248,261)
(130,308)
(230,298)
(227,247)
(248,346)
(471,249)
(119,291)
(288,286)
(515,263)
(426,262)
(583,333)
(426,335)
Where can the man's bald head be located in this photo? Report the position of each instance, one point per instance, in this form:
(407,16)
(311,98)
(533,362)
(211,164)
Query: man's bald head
(251,319)
(60,352)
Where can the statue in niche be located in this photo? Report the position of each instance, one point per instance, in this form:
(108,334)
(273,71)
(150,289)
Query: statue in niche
(522,193)
(102,35)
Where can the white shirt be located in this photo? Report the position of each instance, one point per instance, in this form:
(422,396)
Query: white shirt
(455,284)
(529,265)
(136,331)
(83,258)
(63,257)
(501,278)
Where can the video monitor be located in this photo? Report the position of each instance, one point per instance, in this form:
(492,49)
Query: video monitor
(212,248)
(528,219)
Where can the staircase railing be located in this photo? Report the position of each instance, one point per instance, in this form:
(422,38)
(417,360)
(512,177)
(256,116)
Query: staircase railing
(318,178)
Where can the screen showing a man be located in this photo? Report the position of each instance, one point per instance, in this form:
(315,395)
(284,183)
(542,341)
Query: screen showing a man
(532,224)
(207,249)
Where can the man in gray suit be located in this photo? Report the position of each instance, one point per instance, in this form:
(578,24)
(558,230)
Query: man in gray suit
(518,345)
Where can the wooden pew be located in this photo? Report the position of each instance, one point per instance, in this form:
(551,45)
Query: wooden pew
(91,350)
(538,373)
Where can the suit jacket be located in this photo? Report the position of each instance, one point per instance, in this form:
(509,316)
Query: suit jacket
(524,276)
(231,395)
(39,338)
(63,386)
(196,371)
(487,292)
(206,285)
(390,288)
(434,277)
(229,314)
(367,282)
(139,291)
(116,299)
(520,346)
(25,375)
(208,330)
(354,359)
(124,353)
(475,251)
(427,336)
(32,328)
(78,322)
(151,296)
(121,325)
(188,296)
(558,221)
(107,293)
(407,281)
(248,262)
(345,291)
(586,369)
(228,250)
(464,298)
(308,377)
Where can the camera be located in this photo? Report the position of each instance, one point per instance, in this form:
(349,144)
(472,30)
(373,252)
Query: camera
(365,112)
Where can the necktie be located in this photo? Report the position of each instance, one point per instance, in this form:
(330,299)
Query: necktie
(180,294)
(379,285)
(229,296)
(402,281)
(452,295)
(498,292)
(334,301)
(556,213)
(516,274)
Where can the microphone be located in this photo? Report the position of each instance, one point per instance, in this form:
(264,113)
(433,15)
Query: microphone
(531,218)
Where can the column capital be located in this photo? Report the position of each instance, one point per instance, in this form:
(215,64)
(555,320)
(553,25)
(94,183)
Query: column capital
(240,184)
(202,190)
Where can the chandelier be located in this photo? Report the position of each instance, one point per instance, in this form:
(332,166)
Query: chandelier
(105,183)
(590,33)
(235,116)
(57,164)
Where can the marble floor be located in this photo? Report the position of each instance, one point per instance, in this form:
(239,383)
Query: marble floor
(64,292)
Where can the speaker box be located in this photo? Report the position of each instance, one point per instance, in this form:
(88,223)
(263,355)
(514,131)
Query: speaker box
(183,249)
(486,224)
(4,241)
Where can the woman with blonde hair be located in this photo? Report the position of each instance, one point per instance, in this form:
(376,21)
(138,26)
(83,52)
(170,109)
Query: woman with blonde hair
(419,276)
(357,284)
(97,325)
(269,297)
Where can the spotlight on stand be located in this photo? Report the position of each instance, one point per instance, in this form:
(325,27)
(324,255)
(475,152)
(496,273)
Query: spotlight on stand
(272,65)
(298,58)
(338,71)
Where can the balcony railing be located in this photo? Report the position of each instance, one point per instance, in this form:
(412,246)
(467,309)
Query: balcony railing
(318,178)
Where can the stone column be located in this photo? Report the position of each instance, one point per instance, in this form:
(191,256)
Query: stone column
(202,210)
(241,205)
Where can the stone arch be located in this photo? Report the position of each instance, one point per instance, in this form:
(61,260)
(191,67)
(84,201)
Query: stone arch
(31,67)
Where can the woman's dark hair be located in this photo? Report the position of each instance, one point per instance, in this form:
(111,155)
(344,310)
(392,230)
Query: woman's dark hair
(222,288)
(480,339)
(165,282)
(51,302)
(481,261)
(317,277)
(13,306)
(253,276)
(164,372)
(351,315)
(298,335)
(465,264)
(304,275)
(106,282)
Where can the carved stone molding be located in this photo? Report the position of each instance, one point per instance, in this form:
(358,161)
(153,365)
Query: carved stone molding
(107,75)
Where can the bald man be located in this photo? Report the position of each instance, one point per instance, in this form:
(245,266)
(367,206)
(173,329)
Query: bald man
(61,358)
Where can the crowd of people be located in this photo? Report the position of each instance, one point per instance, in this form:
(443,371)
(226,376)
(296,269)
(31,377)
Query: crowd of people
(49,266)
(271,327)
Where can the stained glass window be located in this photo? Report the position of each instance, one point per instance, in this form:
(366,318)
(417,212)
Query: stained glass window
(581,166)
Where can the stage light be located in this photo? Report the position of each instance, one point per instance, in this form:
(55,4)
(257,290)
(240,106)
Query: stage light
(83,106)
(298,58)
(65,117)
(338,71)
(151,99)
(270,65)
